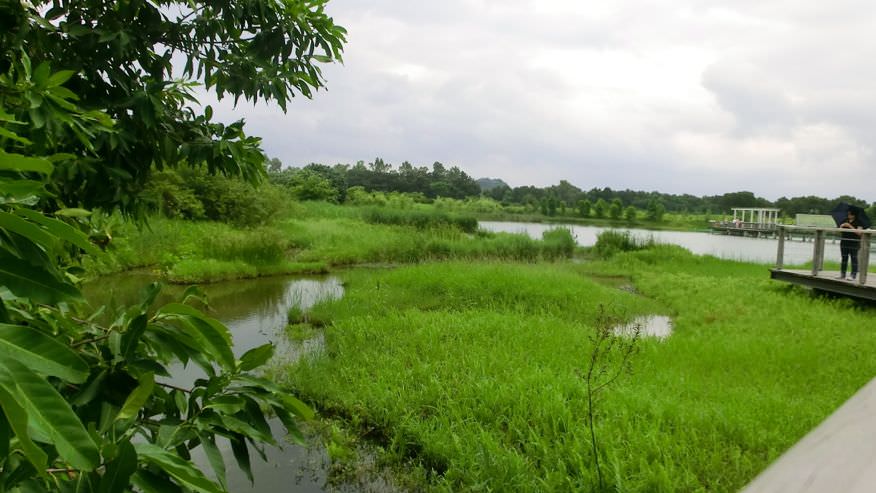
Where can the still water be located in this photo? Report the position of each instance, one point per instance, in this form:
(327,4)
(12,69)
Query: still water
(760,250)
(255,311)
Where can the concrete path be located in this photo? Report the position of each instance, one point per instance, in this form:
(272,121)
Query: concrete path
(837,456)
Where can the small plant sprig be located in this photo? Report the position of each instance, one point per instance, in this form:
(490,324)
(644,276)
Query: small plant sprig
(610,356)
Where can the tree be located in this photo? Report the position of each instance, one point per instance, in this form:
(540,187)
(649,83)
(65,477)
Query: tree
(584,207)
(600,208)
(616,209)
(275,165)
(117,60)
(655,211)
(307,184)
(82,406)
(630,213)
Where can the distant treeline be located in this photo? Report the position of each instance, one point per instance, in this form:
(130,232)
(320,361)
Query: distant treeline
(322,182)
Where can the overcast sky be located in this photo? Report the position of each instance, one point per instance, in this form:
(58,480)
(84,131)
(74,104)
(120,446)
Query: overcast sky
(680,96)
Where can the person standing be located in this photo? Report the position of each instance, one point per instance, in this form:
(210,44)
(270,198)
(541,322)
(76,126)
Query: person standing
(849,245)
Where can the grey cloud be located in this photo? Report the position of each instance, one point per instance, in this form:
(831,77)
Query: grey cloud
(598,94)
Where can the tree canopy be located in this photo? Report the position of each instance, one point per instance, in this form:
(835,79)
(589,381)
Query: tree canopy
(132,66)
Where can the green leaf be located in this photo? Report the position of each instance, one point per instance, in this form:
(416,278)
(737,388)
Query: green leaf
(60,229)
(73,212)
(256,357)
(42,353)
(50,414)
(17,418)
(19,191)
(41,74)
(18,162)
(5,435)
(148,482)
(226,404)
(138,397)
(131,337)
(9,134)
(214,456)
(119,471)
(295,406)
(28,230)
(59,78)
(27,281)
(210,333)
(241,455)
(180,470)
(244,427)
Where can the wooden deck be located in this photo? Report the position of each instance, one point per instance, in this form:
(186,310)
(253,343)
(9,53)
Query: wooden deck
(837,456)
(827,281)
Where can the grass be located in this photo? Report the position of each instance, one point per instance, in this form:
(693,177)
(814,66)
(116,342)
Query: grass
(471,369)
(314,238)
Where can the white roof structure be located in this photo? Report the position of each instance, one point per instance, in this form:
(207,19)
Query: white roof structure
(762,216)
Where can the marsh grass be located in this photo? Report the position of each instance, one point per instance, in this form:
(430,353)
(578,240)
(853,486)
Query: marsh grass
(611,242)
(472,369)
(420,219)
(314,237)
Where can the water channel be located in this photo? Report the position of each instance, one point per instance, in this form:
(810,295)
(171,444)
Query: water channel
(255,311)
(759,250)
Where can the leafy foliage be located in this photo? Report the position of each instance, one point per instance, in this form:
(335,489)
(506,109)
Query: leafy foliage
(117,61)
(88,405)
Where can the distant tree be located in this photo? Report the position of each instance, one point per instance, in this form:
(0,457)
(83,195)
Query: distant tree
(565,192)
(630,213)
(307,184)
(600,208)
(501,193)
(616,209)
(584,207)
(274,165)
(741,199)
(656,211)
(336,177)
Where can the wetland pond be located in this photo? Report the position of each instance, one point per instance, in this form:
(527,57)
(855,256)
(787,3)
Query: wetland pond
(255,311)
(758,250)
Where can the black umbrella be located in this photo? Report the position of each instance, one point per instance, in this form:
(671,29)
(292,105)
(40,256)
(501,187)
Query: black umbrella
(840,214)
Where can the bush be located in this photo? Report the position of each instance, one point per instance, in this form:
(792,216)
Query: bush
(558,242)
(234,201)
(420,219)
(611,242)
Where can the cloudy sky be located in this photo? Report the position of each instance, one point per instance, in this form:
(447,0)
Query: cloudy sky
(683,96)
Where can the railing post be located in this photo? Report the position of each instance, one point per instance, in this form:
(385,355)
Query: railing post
(864,258)
(780,253)
(821,251)
(817,247)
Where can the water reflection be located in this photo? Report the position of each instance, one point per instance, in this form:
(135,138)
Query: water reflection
(255,311)
(658,326)
(759,250)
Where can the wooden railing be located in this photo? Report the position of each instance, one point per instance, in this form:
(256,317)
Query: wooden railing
(743,225)
(820,234)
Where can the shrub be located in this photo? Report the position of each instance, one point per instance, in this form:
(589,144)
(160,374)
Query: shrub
(611,242)
(420,219)
(558,242)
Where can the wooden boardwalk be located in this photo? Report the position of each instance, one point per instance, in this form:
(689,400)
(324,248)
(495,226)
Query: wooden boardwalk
(840,454)
(837,456)
(827,281)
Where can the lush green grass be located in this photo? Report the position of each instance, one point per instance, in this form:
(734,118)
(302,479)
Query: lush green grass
(420,219)
(313,238)
(473,370)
